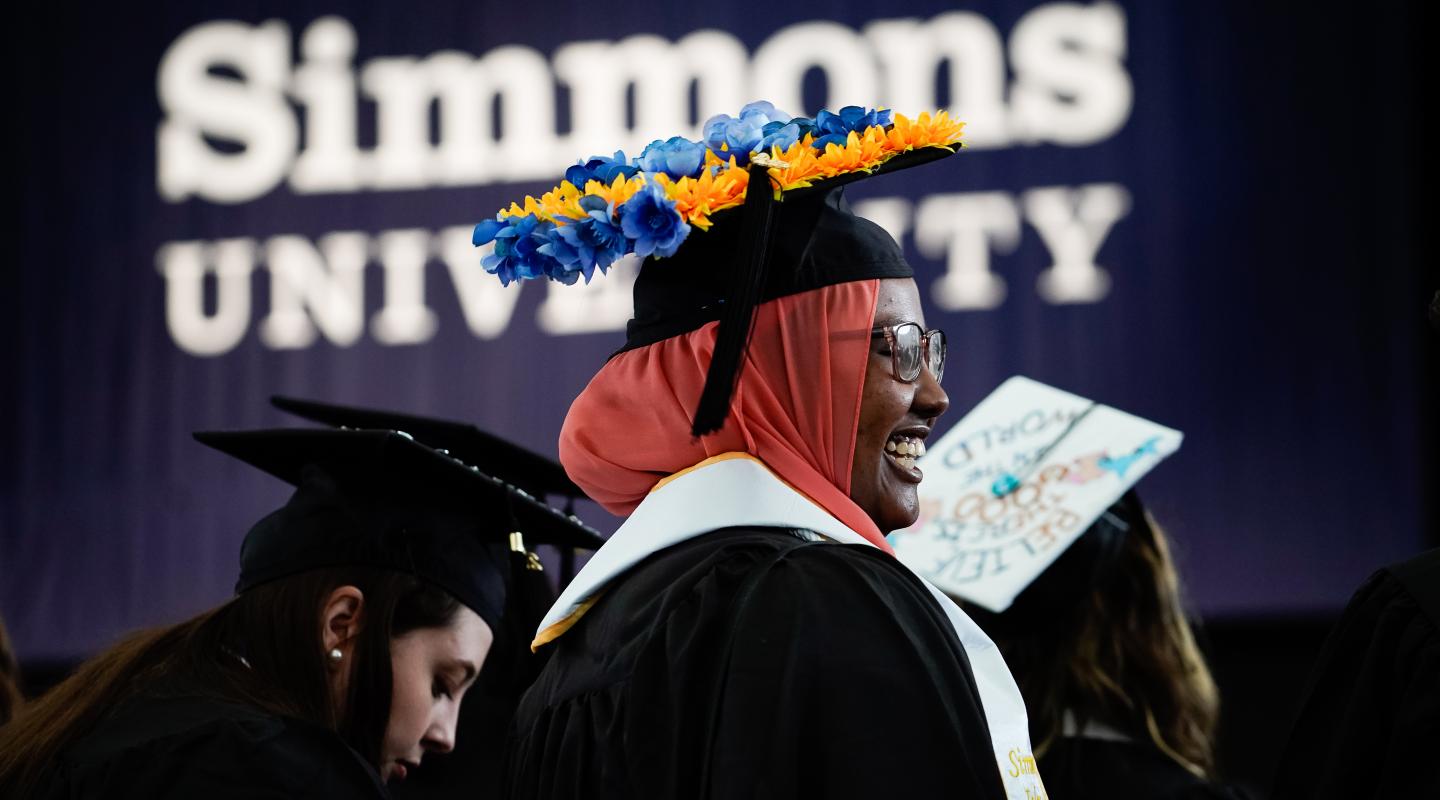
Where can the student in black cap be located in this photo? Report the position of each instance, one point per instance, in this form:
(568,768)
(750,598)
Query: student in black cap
(364,611)
(747,632)
(472,769)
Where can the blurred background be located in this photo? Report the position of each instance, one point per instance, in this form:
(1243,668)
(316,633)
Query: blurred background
(1207,214)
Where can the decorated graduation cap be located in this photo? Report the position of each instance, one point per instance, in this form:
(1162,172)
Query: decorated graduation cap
(753,212)
(1017,482)
(382,499)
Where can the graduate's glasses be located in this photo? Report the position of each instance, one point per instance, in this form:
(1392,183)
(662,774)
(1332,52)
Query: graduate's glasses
(912,348)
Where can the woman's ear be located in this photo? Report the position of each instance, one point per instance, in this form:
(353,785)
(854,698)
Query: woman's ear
(340,620)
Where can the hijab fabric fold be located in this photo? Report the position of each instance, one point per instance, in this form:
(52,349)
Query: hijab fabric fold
(796,405)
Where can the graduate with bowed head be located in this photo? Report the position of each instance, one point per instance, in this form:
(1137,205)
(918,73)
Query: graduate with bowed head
(365,610)
(747,632)
(473,767)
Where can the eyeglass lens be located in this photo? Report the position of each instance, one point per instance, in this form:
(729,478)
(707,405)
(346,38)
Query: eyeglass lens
(913,347)
(935,354)
(908,351)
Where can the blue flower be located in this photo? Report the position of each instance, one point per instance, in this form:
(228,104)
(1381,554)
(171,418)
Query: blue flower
(583,245)
(566,267)
(677,157)
(745,134)
(649,219)
(600,168)
(727,136)
(779,134)
(764,112)
(517,254)
(832,128)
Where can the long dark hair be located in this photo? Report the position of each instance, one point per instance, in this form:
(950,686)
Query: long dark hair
(10,696)
(262,649)
(1105,638)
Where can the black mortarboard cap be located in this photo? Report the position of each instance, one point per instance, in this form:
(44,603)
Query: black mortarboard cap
(380,498)
(762,250)
(517,466)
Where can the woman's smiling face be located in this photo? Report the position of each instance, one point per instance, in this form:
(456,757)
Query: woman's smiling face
(884,482)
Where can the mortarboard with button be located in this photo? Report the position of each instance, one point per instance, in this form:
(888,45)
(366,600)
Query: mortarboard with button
(381,498)
(520,467)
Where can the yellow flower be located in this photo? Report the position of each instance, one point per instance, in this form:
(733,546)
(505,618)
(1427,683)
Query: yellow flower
(516,210)
(697,198)
(561,203)
(617,192)
(927,131)
(802,165)
(860,153)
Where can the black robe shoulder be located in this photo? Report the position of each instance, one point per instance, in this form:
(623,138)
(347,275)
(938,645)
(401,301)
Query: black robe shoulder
(1091,769)
(1370,725)
(197,747)
(754,663)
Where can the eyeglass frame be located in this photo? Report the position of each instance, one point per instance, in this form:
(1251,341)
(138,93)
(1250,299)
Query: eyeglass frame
(888,331)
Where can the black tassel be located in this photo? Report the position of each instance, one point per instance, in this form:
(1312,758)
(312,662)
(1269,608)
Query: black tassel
(737,319)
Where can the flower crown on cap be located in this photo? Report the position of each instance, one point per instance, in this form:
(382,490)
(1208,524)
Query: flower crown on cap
(607,208)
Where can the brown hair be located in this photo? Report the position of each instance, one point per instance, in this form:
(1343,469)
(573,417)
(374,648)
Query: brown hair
(10,696)
(1123,654)
(261,649)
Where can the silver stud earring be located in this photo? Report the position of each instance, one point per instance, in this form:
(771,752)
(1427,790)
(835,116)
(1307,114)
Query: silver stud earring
(336,655)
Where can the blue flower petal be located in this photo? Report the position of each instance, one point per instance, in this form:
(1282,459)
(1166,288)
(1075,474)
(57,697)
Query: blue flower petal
(485,232)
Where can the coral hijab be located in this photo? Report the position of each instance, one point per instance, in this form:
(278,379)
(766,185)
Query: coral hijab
(795,408)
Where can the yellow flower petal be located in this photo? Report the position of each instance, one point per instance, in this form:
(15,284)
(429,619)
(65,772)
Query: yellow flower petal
(697,198)
(620,190)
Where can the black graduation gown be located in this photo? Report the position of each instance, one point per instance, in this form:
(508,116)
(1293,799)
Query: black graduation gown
(196,747)
(1370,725)
(1094,769)
(751,663)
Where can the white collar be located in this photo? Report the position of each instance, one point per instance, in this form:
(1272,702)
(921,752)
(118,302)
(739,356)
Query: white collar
(1094,729)
(726,491)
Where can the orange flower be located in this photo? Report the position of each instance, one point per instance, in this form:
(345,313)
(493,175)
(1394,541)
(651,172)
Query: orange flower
(802,165)
(860,153)
(927,131)
(697,198)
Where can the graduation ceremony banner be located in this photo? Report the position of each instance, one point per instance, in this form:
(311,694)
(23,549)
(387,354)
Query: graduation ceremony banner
(1201,213)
